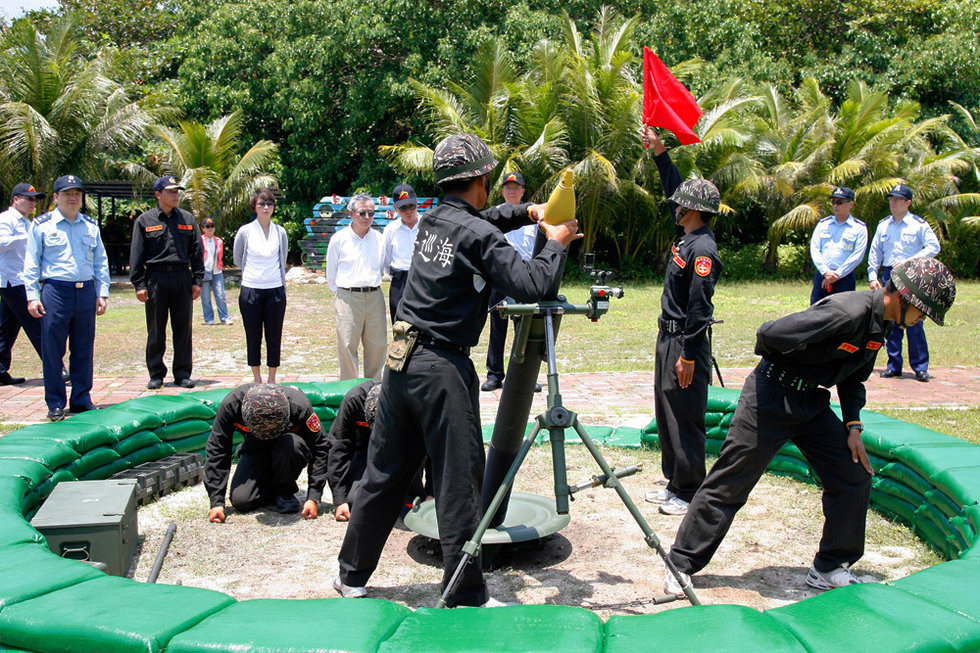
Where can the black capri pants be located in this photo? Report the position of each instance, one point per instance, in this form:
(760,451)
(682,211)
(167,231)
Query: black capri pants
(263,309)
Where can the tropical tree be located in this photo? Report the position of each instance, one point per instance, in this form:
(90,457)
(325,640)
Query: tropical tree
(60,114)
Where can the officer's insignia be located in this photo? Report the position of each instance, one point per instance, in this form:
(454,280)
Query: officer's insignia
(874,345)
(681,263)
(702,265)
(156,227)
(242,428)
(848,347)
(186,227)
(897,188)
(313,423)
(30,189)
(510,177)
(172,180)
(71,178)
(402,195)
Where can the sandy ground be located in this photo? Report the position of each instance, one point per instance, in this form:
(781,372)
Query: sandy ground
(599,561)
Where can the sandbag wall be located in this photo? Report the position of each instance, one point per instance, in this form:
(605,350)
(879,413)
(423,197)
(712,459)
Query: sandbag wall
(51,604)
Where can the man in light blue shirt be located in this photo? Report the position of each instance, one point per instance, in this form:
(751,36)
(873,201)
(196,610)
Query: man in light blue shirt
(14,226)
(66,276)
(837,246)
(899,237)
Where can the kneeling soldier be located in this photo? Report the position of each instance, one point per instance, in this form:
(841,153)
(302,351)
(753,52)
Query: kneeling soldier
(282,436)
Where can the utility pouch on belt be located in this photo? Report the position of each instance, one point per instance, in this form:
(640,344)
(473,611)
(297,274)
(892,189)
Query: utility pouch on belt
(403,339)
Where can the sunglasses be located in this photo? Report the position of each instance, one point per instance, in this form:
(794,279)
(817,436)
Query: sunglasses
(365,213)
(209,226)
(839,202)
(265,204)
(29,199)
(408,207)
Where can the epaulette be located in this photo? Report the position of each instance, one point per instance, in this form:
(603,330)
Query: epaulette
(919,218)
(88,219)
(858,221)
(885,219)
(829,217)
(44,217)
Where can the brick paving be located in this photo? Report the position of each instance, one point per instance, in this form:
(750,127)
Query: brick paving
(609,398)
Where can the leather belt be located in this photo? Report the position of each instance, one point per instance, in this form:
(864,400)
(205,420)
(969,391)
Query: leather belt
(442,344)
(363,289)
(670,326)
(68,284)
(784,377)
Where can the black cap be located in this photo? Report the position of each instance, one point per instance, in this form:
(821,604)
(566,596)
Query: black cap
(513,178)
(25,190)
(208,222)
(900,190)
(404,194)
(843,193)
(68,182)
(166,183)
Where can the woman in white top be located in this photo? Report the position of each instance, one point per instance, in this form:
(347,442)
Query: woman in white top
(260,252)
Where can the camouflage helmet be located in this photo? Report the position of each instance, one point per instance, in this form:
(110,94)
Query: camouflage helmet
(462,156)
(371,403)
(697,195)
(926,284)
(265,411)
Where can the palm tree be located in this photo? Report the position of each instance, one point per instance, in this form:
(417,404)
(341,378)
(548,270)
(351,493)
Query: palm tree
(218,180)
(60,114)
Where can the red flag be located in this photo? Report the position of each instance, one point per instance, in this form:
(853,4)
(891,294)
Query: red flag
(666,103)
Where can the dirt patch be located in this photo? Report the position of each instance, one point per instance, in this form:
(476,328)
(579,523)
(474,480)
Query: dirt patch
(599,561)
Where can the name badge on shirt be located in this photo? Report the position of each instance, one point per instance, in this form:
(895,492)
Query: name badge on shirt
(184,227)
(848,347)
(873,345)
(677,257)
(156,227)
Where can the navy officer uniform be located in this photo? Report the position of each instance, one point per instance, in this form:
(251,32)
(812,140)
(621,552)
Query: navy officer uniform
(837,246)
(897,240)
(167,263)
(66,278)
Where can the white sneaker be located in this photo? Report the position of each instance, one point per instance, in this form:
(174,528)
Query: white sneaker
(494,603)
(839,577)
(347,591)
(674,506)
(671,586)
(662,495)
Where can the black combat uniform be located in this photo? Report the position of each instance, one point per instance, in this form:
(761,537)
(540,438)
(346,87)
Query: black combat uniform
(432,406)
(834,342)
(686,314)
(166,259)
(266,468)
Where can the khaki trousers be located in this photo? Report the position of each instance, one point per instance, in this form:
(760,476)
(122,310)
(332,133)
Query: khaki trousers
(361,319)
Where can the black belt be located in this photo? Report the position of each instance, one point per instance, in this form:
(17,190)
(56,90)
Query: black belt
(670,326)
(442,344)
(363,289)
(784,377)
(68,284)
(167,267)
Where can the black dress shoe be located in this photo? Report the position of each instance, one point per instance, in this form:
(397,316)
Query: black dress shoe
(185,383)
(922,376)
(82,409)
(537,387)
(287,505)
(890,374)
(56,414)
(6,379)
(154,384)
(65,376)
(490,385)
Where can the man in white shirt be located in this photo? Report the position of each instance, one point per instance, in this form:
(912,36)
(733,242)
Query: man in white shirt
(14,226)
(837,246)
(355,258)
(399,238)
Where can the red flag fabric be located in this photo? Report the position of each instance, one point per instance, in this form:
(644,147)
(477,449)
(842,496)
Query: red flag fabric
(666,103)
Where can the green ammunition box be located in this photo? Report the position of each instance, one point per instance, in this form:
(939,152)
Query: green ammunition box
(92,521)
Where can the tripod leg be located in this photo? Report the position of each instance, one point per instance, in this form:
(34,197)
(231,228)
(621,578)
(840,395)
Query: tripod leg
(472,547)
(649,536)
(714,361)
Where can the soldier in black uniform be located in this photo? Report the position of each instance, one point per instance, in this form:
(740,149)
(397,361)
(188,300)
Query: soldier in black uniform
(166,265)
(282,437)
(832,343)
(683,358)
(431,407)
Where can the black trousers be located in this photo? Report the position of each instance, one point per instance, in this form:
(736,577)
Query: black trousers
(263,310)
(395,291)
(844,284)
(169,296)
(767,416)
(680,415)
(498,338)
(414,419)
(13,317)
(267,471)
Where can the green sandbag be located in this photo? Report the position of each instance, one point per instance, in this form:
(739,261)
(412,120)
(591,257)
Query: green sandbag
(326,393)
(650,440)
(325,414)
(712,419)
(942,501)
(791,466)
(12,491)
(93,460)
(150,453)
(182,429)
(108,614)
(713,446)
(934,536)
(884,436)
(951,584)
(896,489)
(961,484)
(715,628)
(210,398)
(14,529)
(717,432)
(892,507)
(726,421)
(135,442)
(312,626)
(108,470)
(31,471)
(519,628)
(934,515)
(877,462)
(59,476)
(625,436)
(791,450)
(171,408)
(722,400)
(871,618)
(929,460)
(80,437)
(193,443)
(905,475)
(29,570)
(959,538)
(50,454)
(120,420)
(651,427)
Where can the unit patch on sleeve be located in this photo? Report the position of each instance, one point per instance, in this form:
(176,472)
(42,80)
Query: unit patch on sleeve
(313,423)
(702,265)
(186,227)
(848,347)
(873,345)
